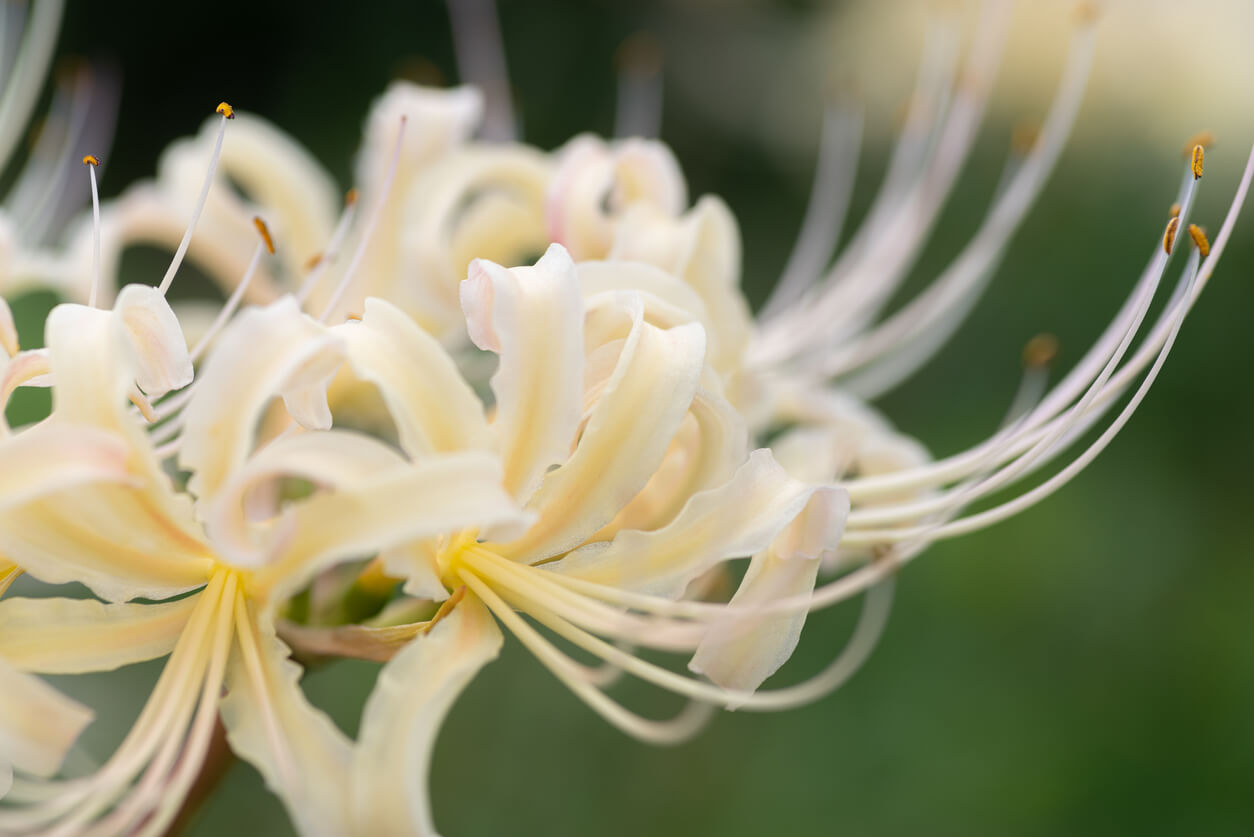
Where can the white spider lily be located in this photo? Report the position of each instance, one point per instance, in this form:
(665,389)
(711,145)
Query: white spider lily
(129,534)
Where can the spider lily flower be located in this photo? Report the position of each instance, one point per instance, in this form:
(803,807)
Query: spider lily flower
(208,560)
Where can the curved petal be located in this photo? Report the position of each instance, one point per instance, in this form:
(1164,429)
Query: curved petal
(70,636)
(415,690)
(38,724)
(153,334)
(736,519)
(52,456)
(741,652)
(533,319)
(8,331)
(434,409)
(335,460)
(439,495)
(623,443)
(703,249)
(270,723)
(256,358)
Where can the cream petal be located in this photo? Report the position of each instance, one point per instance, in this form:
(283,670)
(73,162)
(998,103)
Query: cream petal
(433,407)
(592,175)
(669,301)
(25,369)
(271,724)
(334,460)
(623,442)
(533,319)
(70,636)
(256,358)
(8,331)
(158,348)
(416,563)
(441,494)
(52,456)
(736,519)
(442,226)
(38,724)
(703,249)
(739,653)
(402,718)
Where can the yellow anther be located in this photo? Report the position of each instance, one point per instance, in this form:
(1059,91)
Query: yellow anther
(91,160)
(353,315)
(1024,137)
(350,197)
(226,110)
(314,261)
(1203,138)
(1175,210)
(1041,351)
(640,54)
(1199,238)
(1199,154)
(446,608)
(1169,237)
(1086,11)
(265,233)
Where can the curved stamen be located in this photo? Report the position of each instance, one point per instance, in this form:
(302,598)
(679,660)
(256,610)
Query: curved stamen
(91,162)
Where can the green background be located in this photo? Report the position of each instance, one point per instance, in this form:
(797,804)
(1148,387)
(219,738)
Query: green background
(1083,669)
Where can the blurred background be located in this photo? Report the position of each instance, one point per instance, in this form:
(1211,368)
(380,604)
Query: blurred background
(1085,668)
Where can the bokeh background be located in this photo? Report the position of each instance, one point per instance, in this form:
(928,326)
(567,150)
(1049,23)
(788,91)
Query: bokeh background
(1085,668)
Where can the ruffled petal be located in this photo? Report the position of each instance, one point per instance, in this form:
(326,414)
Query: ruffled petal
(152,333)
(70,636)
(333,460)
(38,724)
(439,495)
(623,442)
(742,651)
(734,520)
(415,691)
(703,249)
(595,181)
(270,723)
(434,409)
(261,354)
(533,319)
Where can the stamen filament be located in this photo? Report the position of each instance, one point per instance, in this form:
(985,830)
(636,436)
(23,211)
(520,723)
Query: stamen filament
(227,113)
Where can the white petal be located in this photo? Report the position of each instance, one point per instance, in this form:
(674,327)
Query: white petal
(70,636)
(442,494)
(256,358)
(270,723)
(38,724)
(623,443)
(433,407)
(152,332)
(741,652)
(533,319)
(52,456)
(734,520)
(392,761)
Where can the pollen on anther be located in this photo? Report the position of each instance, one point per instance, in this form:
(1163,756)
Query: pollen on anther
(1175,210)
(265,233)
(1199,238)
(225,109)
(1041,351)
(350,197)
(91,160)
(1169,237)
(1199,154)
(353,315)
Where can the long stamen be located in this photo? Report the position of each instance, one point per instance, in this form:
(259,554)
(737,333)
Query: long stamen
(480,55)
(639,105)
(232,303)
(375,214)
(24,83)
(227,112)
(328,256)
(91,163)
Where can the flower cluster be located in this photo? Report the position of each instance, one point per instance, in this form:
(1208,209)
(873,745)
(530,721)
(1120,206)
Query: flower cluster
(494,388)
